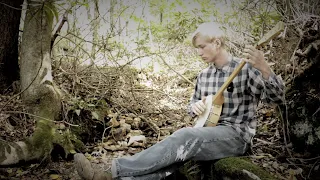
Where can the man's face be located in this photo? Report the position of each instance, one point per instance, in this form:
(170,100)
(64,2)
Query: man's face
(206,50)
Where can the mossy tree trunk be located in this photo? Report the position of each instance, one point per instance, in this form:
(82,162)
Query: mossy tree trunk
(235,168)
(39,92)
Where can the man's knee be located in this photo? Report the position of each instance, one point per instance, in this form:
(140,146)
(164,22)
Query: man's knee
(187,132)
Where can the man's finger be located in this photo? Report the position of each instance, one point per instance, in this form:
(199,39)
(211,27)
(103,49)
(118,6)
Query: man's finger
(248,56)
(253,48)
(247,50)
(250,52)
(249,61)
(200,106)
(196,110)
(250,47)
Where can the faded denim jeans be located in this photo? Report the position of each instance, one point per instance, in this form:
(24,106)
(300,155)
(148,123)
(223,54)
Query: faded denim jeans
(161,159)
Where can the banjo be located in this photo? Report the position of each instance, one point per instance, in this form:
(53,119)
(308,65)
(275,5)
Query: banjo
(214,103)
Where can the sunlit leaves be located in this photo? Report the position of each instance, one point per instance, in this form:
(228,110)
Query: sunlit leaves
(78,112)
(92,105)
(183,24)
(51,11)
(137,19)
(252,17)
(84,3)
(47,7)
(95,115)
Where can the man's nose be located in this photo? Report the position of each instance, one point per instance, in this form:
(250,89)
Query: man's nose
(200,52)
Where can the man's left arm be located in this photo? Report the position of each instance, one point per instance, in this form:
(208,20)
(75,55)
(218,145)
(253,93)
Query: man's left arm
(269,89)
(262,80)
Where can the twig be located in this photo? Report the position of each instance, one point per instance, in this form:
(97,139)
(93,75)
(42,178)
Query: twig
(264,142)
(152,89)
(310,159)
(20,112)
(11,6)
(312,168)
(64,19)
(136,58)
(186,79)
(104,131)
(151,124)
(284,131)
(293,55)
(316,111)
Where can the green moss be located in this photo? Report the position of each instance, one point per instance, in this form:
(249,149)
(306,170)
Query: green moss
(190,170)
(41,142)
(68,141)
(232,167)
(78,144)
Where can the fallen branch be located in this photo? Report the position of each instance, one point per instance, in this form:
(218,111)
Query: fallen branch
(64,19)
(186,79)
(151,124)
(313,45)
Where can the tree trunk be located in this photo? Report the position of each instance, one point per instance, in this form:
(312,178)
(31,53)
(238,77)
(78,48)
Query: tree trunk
(95,28)
(112,24)
(10,12)
(40,95)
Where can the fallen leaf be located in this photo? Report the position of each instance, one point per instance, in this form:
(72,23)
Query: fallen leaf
(54,176)
(140,138)
(95,115)
(78,112)
(9,171)
(72,151)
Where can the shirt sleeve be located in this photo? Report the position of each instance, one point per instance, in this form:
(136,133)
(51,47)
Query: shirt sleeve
(269,90)
(195,97)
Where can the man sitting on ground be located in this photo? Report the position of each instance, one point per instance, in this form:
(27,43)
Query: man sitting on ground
(236,127)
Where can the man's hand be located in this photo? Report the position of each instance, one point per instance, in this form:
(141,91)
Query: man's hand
(256,59)
(198,107)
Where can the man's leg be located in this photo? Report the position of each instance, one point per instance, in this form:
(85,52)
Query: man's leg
(159,174)
(207,143)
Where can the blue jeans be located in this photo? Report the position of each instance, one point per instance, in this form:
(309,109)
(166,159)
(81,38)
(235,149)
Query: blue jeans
(161,159)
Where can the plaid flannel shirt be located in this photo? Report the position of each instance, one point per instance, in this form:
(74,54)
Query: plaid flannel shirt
(242,96)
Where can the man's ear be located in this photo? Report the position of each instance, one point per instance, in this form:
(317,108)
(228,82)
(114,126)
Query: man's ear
(218,42)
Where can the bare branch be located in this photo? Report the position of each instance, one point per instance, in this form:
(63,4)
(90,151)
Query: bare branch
(12,7)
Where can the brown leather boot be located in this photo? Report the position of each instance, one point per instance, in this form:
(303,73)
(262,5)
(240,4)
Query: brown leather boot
(86,171)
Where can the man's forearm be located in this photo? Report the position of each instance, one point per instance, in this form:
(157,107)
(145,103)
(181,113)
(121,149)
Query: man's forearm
(266,73)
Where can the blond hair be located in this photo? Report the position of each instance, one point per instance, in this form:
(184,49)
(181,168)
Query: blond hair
(211,31)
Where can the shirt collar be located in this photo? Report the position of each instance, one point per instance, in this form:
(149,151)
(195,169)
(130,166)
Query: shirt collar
(225,68)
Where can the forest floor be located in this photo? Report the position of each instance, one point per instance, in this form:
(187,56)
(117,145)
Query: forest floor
(113,105)
(158,105)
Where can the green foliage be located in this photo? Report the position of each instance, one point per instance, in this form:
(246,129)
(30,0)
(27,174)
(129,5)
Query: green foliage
(51,12)
(232,167)
(97,107)
(161,6)
(47,7)
(42,138)
(255,22)
(182,25)
(68,141)
(137,19)
(260,21)
(190,170)
(84,3)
